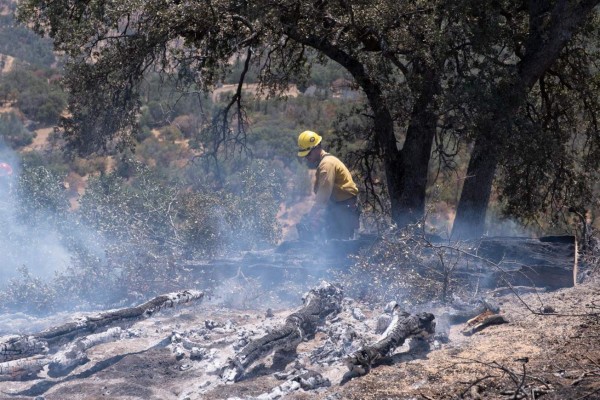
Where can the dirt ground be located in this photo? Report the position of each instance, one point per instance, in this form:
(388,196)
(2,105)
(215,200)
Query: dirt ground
(552,356)
(557,354)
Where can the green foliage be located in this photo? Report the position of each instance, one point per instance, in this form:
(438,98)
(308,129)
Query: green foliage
(13,132)
(170,133)
(39,100)
(147,229)
(23,44)
(258,191)
(551,164)
(42,196)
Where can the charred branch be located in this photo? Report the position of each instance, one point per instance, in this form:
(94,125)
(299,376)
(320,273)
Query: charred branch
(18,347)
(402,327)
(74,354)
(482,321)
(465,312)
(319,303)
(23,368)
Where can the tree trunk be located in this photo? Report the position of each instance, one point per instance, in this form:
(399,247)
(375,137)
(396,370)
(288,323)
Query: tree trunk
(409,205)
(546,39)
(471,210)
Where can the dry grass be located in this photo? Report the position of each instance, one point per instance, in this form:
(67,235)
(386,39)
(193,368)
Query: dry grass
(561,353)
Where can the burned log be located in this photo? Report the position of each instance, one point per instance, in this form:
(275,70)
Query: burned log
(462,312)
(403,326)
(74,354)
(22,369)
(545,262)
(319,303)
(17,347)
(482,321)
(60,363)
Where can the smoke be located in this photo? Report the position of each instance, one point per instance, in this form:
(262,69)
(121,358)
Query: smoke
(498,226)
(30,242)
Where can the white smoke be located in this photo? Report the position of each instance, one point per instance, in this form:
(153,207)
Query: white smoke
(33,245)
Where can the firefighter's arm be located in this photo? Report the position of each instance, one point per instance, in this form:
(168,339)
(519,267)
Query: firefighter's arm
(323,190)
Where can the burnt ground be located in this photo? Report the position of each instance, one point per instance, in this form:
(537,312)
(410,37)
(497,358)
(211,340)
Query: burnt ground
(553,356)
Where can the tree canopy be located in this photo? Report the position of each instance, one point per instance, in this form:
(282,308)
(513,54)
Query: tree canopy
(436,75)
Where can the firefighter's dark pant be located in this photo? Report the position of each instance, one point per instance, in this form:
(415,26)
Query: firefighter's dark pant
(342,218)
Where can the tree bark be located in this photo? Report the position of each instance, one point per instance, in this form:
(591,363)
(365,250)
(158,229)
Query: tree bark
(319,303)
(475,196)
(543,46)
(416,151)
(403,326)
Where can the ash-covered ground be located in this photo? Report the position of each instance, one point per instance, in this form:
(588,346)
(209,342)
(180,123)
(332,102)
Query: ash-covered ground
(179,353)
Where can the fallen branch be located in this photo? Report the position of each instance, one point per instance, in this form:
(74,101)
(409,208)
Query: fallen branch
(519,379)
(319,303)
(464,312)
(403,326)
(22,369)
(482,321)
(59,364)
(75,353)
(521,290)
(17,347)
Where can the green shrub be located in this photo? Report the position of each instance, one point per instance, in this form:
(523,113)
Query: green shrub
(13,132)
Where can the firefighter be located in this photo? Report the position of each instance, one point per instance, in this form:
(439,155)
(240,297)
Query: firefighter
(335,213)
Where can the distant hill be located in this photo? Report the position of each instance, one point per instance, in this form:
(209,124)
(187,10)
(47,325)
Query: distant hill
(21,43)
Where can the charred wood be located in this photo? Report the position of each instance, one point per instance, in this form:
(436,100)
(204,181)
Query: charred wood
(520,290)
(319,303)
(544,262)
(74,354)
(464,312)
(17,347)
(403,326)
(482,321)
(22,369)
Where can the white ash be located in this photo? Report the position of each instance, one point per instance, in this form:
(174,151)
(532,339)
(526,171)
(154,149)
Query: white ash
(178,351)
(340,341)
(311,380)
(198,353)
(227,327)
(210,324)
(210,347)
(389,307)
(343,336)
(297,379)
(358,314)
(382,323)
(347,302)
(242,341)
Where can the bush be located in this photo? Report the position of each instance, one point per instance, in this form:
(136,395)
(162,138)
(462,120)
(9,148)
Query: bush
(39,100)
(29,294)
(403,266)
(13,132)
(147,228)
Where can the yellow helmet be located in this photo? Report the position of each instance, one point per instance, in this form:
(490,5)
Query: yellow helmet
(307,141)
